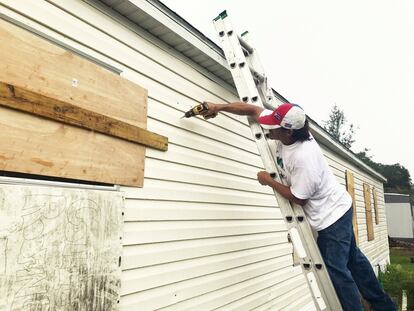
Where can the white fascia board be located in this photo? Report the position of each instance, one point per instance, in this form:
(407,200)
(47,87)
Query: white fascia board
(178,29)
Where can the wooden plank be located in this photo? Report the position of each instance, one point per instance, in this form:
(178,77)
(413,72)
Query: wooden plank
(18,98)
(41,67)
(36,145)
(368,211)
(350,187)
(375,196)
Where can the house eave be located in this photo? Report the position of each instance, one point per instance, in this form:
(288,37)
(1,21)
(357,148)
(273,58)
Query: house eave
(167,26)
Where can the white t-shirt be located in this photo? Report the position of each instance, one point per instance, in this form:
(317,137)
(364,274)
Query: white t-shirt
(305,170)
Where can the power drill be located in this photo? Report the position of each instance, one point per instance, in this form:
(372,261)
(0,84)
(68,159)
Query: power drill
(196,110)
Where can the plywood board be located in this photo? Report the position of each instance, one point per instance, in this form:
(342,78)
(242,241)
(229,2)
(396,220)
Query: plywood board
(39,66)
(39,146)
(60,248)
(375,197)
(368,211)
(350,187)
(31,144)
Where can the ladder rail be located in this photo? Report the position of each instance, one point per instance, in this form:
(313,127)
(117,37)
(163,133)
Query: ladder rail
(298,212)
(243,71)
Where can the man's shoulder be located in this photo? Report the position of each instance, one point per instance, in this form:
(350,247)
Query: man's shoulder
(309,145)
(306,151)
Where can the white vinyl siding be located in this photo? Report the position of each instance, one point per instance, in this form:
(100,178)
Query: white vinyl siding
(202,233)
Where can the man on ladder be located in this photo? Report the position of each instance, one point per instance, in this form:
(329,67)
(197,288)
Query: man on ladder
(328,207)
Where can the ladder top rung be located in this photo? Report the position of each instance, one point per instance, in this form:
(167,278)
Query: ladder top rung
(222,15)
(245,45)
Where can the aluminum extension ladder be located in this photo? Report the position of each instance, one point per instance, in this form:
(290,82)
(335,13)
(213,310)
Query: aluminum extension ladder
(251,85)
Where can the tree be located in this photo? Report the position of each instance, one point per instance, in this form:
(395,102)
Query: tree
(367,159)
(337,127)
(398,177)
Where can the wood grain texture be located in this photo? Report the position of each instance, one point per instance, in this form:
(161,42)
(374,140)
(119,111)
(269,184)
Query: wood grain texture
(368,211)
(35,145)
(43,106)
(375,197)
(36,65)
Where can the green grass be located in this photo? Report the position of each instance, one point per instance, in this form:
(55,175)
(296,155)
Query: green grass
(400,275)
(401,256)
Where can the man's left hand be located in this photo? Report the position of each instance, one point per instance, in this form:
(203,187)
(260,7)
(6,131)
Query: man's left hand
(264,178)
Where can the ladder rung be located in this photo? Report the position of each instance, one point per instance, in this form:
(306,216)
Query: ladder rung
(256,75)
(261,78)
(252,87)
(245,45)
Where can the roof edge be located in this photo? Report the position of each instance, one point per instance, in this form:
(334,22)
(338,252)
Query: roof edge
(195,32)
(179,26)
(170,19)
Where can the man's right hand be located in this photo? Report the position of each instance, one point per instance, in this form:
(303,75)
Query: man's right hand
(212,111)
(238,108)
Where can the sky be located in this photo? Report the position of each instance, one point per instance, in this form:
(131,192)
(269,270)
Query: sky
(357,54)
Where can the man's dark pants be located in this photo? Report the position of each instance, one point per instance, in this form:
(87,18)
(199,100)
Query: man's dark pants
(350,271)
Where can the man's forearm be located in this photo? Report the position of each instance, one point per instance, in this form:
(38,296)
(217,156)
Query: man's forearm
(242,109)
(285,192)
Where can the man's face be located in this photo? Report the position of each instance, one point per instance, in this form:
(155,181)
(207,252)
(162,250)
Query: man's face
(276,133)
(284,135)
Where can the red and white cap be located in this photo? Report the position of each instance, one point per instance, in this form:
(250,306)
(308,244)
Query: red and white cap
(288,116)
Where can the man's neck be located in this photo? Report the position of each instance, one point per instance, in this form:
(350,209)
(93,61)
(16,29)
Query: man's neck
(289,142)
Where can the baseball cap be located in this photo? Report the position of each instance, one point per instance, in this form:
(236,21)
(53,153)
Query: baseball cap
(289,116)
